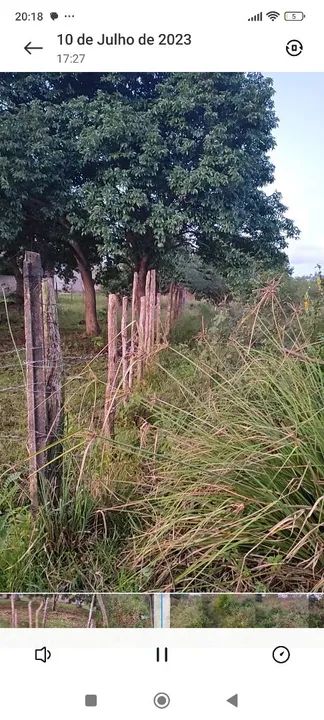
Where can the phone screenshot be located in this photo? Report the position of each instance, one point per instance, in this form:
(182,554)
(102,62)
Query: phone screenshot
(161,360)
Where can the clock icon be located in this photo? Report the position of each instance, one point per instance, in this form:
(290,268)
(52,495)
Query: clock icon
(281,654)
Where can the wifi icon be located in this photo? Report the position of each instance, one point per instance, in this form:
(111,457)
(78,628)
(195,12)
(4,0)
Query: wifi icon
(273,15)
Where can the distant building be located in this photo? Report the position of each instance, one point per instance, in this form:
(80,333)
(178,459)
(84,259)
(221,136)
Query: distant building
(8,284)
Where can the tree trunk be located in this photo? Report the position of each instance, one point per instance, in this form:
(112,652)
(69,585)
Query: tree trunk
(90,305)
(142,270)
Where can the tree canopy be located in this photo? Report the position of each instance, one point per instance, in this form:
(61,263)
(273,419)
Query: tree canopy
(124,170)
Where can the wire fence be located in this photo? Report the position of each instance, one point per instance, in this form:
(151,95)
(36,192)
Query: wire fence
(135,334)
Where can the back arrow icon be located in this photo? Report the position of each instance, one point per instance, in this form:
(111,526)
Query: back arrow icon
(29,47)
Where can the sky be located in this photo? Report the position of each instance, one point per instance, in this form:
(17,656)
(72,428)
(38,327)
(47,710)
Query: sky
(299,162)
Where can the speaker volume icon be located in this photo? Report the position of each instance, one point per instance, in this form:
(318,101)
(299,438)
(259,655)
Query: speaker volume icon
(42,654)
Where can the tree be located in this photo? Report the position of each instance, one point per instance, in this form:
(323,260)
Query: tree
(40,171)
(185,166)
(124,170)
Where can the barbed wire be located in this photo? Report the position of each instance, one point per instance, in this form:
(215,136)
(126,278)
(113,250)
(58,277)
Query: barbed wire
(12,388)
(12,352)
(67,360)
(23,349)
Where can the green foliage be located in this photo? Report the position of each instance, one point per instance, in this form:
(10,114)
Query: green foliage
(67,550)
(195,319)
(201,278)
(200,144)
(132,611)
(238,611)
(133,167)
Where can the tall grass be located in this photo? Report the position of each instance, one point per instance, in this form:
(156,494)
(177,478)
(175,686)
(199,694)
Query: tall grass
(215,478)
(238,502)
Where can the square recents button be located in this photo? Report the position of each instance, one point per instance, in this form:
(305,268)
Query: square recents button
(91,700)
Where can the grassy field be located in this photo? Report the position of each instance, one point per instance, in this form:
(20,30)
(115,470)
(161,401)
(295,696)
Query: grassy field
(129,611)
(64,616)
(214,481)
(249,611)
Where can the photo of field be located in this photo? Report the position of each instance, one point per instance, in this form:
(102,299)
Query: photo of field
(131,610)
(161,344)
(76,611)
(249,611)
(316,611)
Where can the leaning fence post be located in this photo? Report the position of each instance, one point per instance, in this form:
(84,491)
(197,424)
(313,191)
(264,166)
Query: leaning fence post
(53,386)
(35,373)
(110,400)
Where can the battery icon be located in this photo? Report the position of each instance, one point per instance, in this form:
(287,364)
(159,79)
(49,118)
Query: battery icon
(294,16)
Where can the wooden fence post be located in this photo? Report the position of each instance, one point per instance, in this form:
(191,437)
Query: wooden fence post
(152,308)
(147,316)
(37,613)
(45,611)
(110,401)
(13,609)
(141,338)
(53,386)
(123,333)
(34,338)
(91,609)
(100,600)
(183,299)
(176,303)
(30,613)
(134,330)
(158,319)
(169,315)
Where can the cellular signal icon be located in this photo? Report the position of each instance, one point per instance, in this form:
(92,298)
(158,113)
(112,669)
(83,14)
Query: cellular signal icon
(256,18)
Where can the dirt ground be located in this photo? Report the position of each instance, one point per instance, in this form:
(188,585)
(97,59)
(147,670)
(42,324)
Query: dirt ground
(64,615)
